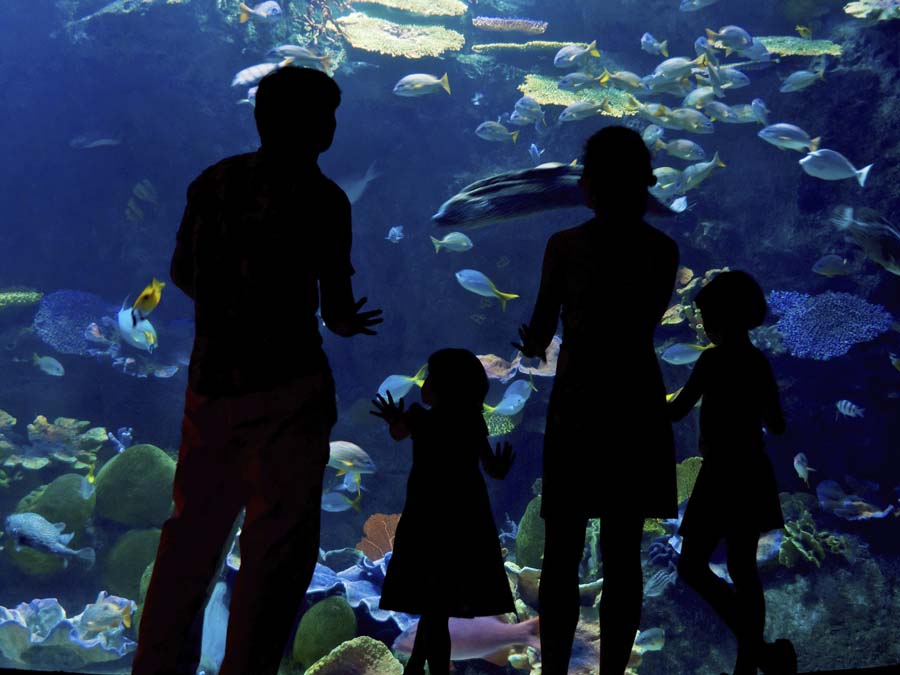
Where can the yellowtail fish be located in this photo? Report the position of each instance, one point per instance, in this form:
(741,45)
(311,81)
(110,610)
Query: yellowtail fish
(420,84)
(831,265)
(252,75)
(682,354)
(695,174)
(800,80)
(347,457)
(399,385)
(49,365)
(149,298)
(802,467)
(572,55)
(804,31)
(86,488)
(107,613)
(478,283)
(455,241)
(848,409)
(494,131)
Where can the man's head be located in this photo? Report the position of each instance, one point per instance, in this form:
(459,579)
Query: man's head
(295,111)
(617,171)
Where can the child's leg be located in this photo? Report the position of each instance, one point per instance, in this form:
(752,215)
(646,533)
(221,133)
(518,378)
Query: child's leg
(693,568)
(750,601)
(438,644)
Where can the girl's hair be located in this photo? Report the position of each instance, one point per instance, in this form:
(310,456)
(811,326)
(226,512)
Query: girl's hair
(458,378)
(734,300)
(618,155)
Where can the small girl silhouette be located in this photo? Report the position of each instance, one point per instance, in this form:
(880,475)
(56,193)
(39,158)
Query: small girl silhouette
(735,496)
(447,507)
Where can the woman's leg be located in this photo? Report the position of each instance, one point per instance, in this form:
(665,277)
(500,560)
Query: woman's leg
(749,599)
(438,645)
(558,593)
(693,569)
(416,663)
(623,587)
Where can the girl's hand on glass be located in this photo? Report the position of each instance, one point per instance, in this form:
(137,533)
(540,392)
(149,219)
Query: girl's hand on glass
(526,346)
(388,410)
(500,461)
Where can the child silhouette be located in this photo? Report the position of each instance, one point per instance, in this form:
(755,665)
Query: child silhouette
(735,496)
(447,505)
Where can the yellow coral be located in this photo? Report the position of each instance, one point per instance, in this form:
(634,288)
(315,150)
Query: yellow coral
(686,473)
(393,39)
(6,420)
(532,46)
(18,297)
(792,45)
(421,7)
(545,91)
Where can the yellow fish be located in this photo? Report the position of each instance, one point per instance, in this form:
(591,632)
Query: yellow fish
(149,298)
(804,31)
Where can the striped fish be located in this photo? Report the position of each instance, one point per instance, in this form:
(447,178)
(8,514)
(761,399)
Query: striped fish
(848,409)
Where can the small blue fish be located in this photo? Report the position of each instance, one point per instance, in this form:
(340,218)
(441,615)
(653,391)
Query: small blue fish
(760,111)
(694,5)
(476,282)
(653,46)
(682,354)
(336,502)
(265,11)
(535,153)
(395,234)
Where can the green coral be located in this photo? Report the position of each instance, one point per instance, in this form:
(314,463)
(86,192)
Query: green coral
(359,656)
(58,502)
(794,45)
(801,543)
(879,10)
(421,7)
(18,297)
(134,488)
(530,536)
(127,561)
(545,91)
(324,626)
(410,41)
(498,425)
(686,474)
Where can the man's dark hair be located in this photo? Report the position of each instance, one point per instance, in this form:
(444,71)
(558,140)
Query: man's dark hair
(458,378)
(618,155)
(293,99)
(734,300)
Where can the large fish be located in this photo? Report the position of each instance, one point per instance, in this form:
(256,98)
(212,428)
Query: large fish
(517,194)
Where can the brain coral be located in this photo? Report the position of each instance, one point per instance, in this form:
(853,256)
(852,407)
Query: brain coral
(826,325)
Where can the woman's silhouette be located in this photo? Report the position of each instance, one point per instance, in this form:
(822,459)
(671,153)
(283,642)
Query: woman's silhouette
(608,447)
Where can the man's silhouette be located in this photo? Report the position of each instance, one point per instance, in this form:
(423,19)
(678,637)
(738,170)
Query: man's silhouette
(608,447)
(264,235)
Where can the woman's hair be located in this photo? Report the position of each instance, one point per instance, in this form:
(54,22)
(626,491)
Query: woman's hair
(458,378)
(618,155)
(733,300)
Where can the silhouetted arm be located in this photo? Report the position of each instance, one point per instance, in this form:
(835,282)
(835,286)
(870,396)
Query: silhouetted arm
(773,416)
(183,263)
(668,271)
(545,317)
(340,311)
(682,404)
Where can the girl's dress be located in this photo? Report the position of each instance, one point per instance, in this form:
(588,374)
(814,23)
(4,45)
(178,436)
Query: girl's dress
(446,554)
(736,488)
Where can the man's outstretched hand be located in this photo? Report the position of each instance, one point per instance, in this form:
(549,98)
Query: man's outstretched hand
(358,322)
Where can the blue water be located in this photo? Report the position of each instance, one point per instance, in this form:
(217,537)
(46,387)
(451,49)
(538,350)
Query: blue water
(156,80)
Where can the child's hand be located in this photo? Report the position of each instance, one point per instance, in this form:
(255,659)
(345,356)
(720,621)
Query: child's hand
(527,346)
(389,411)
(500,462)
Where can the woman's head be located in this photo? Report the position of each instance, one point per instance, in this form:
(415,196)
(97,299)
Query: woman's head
(732,302)
(618,170)
(456,378)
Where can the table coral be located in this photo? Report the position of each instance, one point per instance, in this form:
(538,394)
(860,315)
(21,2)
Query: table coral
(421,7)
(530,46)
(879,10)
(18,297)
(793,45)
(546,91)
(410,41)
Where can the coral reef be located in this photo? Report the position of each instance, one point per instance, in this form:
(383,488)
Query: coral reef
(17,296)
(879,10)
(544,90)
(498,425)
(128,559)
(134,488)
(794,45)
(65,441)
(38,636)
(531,46)
(360,656)
(63,316)
(323,627)
(530,536)
(686,473)
(826,325)
(504,25)
(393,39)
(421,7)
(380,529)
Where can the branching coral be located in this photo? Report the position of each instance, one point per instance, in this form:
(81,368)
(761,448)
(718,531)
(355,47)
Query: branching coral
(420,7)
(546,91)
(826,325)
(504,25)
(393,39)
(793,45)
